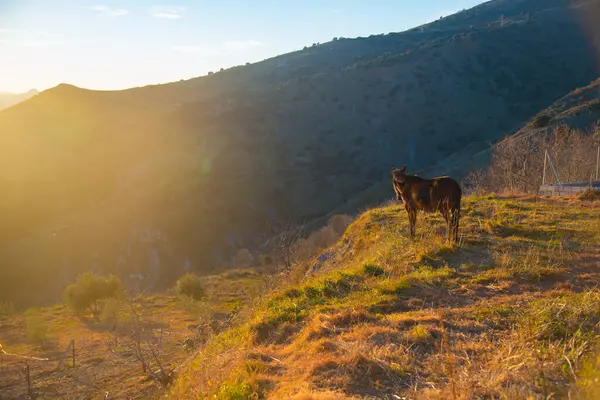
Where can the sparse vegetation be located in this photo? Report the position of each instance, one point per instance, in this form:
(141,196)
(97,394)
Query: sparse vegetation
(199,309)
(105,358)
(36,327)
(517,162)
(384,310)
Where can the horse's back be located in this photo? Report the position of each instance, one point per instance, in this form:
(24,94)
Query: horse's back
(448,188)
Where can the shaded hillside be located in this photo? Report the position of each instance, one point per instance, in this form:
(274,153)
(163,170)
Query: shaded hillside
(569,130)
(511,312)
(9,99)
(205,163)
(579,109)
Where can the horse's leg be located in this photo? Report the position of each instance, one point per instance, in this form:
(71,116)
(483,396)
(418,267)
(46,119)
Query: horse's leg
(412,220)
(447,217)
(455,221)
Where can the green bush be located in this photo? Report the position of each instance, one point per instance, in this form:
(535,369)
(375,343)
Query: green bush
(191,285)
(90,289)
(373,270)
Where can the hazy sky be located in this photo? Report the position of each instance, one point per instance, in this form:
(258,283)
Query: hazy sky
(114,44)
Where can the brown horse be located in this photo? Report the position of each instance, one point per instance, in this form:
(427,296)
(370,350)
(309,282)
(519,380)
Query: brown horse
(441,194)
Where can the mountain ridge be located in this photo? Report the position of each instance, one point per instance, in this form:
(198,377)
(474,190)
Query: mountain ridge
(209,161)
(8,99)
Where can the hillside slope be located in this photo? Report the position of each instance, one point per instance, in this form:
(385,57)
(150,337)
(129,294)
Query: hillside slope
(579,109)
(511,312)
(10,99)
(204,163)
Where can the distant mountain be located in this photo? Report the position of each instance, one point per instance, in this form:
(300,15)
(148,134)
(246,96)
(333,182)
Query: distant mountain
(206,163)
(9,99)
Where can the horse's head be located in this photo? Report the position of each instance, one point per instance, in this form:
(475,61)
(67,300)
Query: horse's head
(399,175)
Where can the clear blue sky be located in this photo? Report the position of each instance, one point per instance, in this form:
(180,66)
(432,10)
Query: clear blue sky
(112,44)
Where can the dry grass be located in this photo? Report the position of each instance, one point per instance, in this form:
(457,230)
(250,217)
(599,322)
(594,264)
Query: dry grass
(46,332)
(97,370)
(510,312)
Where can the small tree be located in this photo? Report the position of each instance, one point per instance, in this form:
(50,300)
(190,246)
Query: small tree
(243,258)
(145,343)
(90,289)
(281,238)
(541,121)
(191,285)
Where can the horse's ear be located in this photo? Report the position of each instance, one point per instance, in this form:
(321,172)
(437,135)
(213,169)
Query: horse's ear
(403,170)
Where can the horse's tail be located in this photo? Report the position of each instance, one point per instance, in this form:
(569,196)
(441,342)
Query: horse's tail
(455,216)
(455,222)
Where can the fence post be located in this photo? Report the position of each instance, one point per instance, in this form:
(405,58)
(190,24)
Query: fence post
(28,375)
(553,168)
(73,348)
(597,162)
(544,173)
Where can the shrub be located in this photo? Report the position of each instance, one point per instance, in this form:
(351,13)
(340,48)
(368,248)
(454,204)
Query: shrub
(373,270)
(243,258)
(191,285)
(541,121)
(239,389)
(517,163)
(90,289)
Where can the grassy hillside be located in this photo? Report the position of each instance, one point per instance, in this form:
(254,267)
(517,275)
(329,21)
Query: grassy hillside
(511,312)
(204,163)
(104,361)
